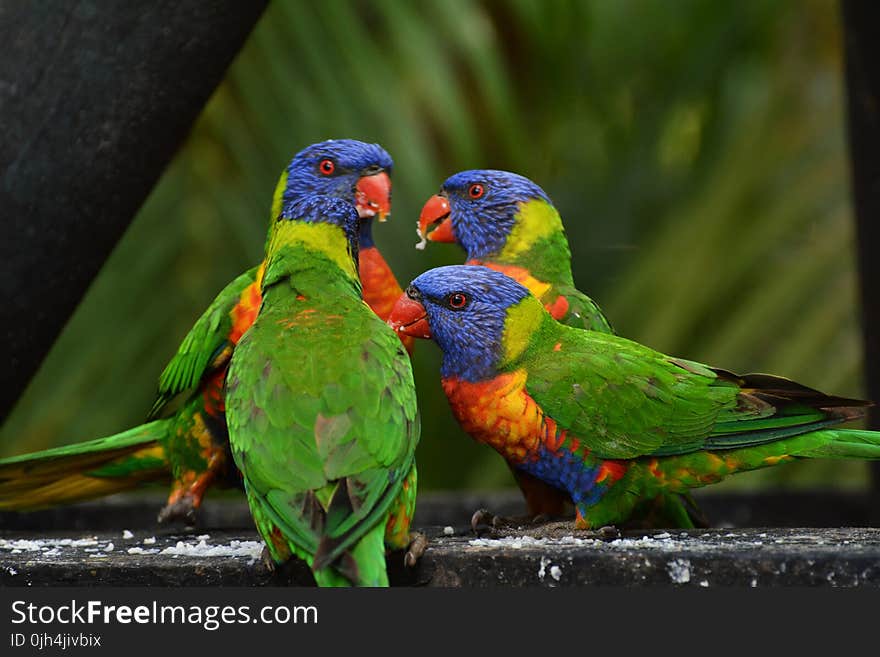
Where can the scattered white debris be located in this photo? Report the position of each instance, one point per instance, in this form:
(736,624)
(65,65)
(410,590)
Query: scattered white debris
(679,570)
(448,531)
(754,582)
(140,550)
(12,571)
(127,534)
(203,537)
(662,536)
(20,545)
(235,548)
(542,571)
(704,583)
(150,541)
(555,572)
(110,547)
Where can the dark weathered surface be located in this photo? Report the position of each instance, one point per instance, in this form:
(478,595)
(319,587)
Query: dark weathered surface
(70,547)
(95,98)
(551,555)
(861,33)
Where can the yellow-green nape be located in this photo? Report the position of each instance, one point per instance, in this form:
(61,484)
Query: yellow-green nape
(325,238)
(536,219)
(278,197)
(520,326)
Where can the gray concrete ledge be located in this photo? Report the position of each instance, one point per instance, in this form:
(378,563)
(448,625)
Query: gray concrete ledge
(549,555)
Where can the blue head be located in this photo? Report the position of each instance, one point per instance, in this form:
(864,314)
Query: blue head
(348,169)
(464,308)
(477,209)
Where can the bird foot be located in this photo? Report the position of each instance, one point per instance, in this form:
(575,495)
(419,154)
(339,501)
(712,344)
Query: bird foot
(183,508)
(418,543)
(268,561)
(605,533)
(485,518)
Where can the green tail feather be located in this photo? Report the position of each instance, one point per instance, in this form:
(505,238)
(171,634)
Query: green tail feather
(368,558)
(81,471)
(845,444)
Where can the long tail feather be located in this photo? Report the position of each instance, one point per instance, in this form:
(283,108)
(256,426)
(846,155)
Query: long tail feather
(82,471)
(846,444)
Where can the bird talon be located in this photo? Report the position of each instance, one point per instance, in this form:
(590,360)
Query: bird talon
(608,533)
(483,517)
(417,546)
(267,560)
(184,508)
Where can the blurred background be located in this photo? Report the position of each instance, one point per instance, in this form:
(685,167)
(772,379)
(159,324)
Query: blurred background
(695,149)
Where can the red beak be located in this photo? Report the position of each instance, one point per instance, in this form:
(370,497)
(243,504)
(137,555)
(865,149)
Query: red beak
(373,196)
(410,318)
(436,210)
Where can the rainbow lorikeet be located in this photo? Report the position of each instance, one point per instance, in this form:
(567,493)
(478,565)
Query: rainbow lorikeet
(321,405)
(191,445)
(609,421)
(506,222)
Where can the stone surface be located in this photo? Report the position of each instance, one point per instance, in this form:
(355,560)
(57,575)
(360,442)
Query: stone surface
(106,543)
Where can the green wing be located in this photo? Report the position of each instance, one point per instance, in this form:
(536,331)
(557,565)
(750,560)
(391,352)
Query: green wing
(323,420)
(626,400)
(206,346)
(583,312)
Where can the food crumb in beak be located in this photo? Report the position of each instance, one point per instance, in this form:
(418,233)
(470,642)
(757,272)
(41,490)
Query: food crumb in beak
(423,239)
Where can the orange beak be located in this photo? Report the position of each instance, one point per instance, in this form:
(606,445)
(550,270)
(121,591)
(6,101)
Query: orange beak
(436,211)
(409,318)
(373,196)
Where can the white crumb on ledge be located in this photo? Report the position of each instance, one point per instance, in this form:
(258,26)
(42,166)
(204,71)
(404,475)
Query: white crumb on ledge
(251,549)
(555,572)
(679,571)
(150,541)
(542,571)
(127,534)
(448,531)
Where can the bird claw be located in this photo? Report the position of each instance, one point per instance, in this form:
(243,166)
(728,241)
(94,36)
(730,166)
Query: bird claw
(485,518)
(418,543)
(268,561)
(183,508)
(607,533)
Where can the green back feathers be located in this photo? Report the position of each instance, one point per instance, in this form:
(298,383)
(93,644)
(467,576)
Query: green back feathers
(627,400)
(321,404)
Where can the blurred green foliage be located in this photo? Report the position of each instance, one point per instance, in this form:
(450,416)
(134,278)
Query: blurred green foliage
(695,149)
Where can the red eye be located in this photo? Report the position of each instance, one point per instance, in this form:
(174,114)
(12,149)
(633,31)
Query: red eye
(457,300)
(476,190)
(327,167)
